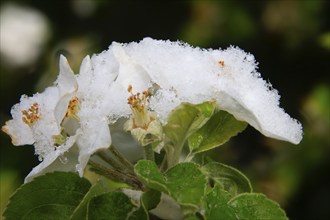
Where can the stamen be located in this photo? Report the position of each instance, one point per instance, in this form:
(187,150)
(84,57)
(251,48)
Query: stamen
(31,115)
(139,104)
(129,89)
(143,123)
(222,63)
(73,108)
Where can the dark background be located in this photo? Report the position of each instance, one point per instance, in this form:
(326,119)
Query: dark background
(290,40)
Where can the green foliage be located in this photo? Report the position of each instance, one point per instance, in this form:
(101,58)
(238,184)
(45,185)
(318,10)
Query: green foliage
(182,122)
(149,200)
(230,198)
(256,206)
(229,178)
(81,210)
(111,206)
(202,126)
(184,182)
(62,195)
(187,118)
(52,195)
(218,130)
(218,205)
(212,191)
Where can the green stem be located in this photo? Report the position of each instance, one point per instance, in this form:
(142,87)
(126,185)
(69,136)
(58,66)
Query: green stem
(107,158)
(189,157)
(170,155)
(148,152)
(115,175)
(163,165)
(177,153)
(121,158)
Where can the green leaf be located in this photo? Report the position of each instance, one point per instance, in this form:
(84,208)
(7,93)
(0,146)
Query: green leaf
(217,207)
(229,178)
(183,121)
(256,206)
(192,217)
(149,200)
(183,182)
(51,196)
(249,206)
(81,210)
(187,118)
(217,131)
(140,214)
(148,171)
(111,206)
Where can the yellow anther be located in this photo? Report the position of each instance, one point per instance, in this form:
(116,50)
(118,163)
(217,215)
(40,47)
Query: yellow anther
(73,108)
(136,101)
(222,63)
(129,89)
(139,104)
(31,115)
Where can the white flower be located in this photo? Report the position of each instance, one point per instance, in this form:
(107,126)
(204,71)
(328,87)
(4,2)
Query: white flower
(34,122)
(64,137)
(185,74)
(93,88)
(69,121)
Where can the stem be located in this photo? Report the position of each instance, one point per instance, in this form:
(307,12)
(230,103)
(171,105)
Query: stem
(163,165)
(115,175)
(148,152)
(103,154)
(177,153)
(121,158)
(170,155)
(189,157)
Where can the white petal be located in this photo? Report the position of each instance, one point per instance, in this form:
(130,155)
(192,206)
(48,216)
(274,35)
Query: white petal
(52,161)
(96,135)
(19,132)
(85,76)
(45,128)
(66,80)
(62,107)
(130,72)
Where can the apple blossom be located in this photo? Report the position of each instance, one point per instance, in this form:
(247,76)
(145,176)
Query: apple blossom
(64,138)
(186,74)
(73,118)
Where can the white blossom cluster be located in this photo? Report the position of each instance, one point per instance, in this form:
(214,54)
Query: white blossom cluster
(72,119)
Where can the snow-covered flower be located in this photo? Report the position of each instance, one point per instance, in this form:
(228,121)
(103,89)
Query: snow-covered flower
(185,74)
(72,119)
(64,138)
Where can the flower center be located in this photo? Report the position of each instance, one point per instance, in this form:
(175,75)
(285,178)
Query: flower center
(69,123)
(31,115)
(73,108)
(139,104)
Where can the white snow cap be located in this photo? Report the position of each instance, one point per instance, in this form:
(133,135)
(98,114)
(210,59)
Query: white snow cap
(186,74)
(71,119)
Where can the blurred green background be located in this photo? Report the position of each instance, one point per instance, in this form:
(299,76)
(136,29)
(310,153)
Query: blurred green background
(290,40)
